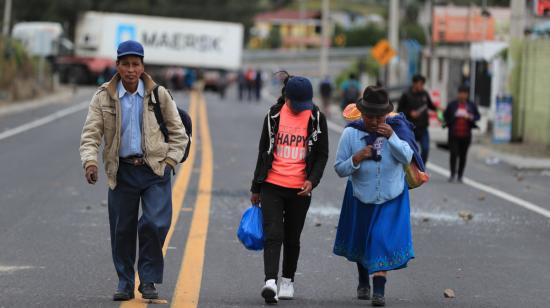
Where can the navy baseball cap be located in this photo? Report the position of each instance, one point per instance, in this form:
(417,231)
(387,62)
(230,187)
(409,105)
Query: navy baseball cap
(130,47)
(300,93)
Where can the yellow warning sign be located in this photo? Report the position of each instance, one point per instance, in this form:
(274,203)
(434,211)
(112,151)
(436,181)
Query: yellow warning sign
(382,52)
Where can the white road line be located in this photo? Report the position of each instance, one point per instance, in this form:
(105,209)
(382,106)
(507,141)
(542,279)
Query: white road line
(477,185)
(493,191)
(42,121)
(10,269)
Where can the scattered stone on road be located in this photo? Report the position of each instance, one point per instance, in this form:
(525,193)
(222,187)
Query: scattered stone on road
(103,203)
(491,161)
(466,215)
(481,197)
(519,178)
(155,301)
(449,293)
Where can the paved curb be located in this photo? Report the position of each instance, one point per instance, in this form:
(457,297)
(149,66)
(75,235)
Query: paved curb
(519,162)
(492,156)
(61,96)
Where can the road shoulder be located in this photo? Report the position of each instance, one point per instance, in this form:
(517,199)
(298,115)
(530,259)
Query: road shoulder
(63,95)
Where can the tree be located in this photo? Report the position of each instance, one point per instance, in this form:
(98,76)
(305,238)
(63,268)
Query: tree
(409,28)
(412,31)
(411,13)
(274,40)
(368,35)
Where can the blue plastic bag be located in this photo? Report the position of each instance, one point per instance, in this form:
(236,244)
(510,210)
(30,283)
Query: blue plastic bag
(251,232)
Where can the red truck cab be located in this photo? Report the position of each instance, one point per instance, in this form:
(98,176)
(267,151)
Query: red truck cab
(542,7)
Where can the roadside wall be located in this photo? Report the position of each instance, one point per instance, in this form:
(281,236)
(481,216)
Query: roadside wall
(534,93)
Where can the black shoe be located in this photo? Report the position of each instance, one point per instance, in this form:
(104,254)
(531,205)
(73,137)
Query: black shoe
(148,290)
(460,179)
(363,292)
(378,300)
(451,179)
(123,295)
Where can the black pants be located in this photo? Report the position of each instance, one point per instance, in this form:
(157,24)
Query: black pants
(284,214)
(422,136)
(458,147)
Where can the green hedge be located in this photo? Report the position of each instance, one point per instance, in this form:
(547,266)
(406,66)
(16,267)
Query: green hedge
(14,63)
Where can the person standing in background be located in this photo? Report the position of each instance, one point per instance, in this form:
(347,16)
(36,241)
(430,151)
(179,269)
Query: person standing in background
(241,84)
(250,76)
(460,116)
(351,90)
(258,84)
(325,89)
(414,103)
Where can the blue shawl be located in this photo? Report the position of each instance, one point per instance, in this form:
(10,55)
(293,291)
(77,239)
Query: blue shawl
(402,128)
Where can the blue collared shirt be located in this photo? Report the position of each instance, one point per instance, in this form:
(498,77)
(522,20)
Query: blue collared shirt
(131,106)
(373,182)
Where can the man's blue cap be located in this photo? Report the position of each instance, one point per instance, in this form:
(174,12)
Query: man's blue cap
(130,47)
(300,93)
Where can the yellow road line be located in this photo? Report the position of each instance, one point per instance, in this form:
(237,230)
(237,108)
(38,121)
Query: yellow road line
(188,286)
(182,182)
(179,190)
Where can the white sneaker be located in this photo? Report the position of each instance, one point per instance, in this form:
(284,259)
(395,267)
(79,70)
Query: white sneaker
(286,289)
(269,292)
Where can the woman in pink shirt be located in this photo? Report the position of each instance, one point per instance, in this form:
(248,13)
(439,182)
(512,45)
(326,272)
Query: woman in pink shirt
(293,152)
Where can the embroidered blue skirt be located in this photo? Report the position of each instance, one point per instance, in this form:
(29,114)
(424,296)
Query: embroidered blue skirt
(376,235)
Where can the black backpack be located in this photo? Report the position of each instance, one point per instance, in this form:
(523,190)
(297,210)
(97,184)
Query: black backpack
(185,119)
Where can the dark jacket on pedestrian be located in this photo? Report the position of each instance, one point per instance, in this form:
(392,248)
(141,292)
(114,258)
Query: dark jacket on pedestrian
(325,89)
(419,101)
(317,146)
(450,112)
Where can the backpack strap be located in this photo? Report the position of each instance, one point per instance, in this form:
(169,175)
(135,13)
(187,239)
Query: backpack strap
(158,113)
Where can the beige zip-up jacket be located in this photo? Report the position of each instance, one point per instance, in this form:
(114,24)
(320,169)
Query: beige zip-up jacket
(104,121)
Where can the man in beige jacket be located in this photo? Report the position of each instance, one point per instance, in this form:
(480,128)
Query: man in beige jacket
(138,163)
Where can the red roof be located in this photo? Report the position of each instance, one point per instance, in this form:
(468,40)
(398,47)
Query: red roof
(286,14)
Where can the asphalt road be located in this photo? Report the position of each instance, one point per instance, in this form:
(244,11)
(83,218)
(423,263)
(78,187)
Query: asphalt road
(54,239)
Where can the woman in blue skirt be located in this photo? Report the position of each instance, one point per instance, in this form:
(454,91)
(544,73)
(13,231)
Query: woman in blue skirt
(374,228)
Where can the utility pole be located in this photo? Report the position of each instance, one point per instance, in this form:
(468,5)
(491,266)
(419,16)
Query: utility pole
(393,37)
(517,28)
(517,18)
(7,16)
(303,24)
(325,38)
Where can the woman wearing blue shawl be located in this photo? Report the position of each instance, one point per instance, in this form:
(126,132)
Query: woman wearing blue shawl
(374,228)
